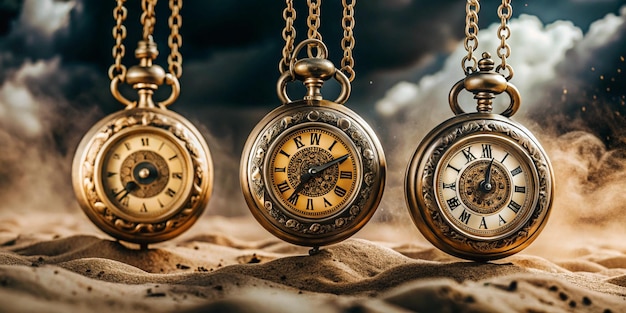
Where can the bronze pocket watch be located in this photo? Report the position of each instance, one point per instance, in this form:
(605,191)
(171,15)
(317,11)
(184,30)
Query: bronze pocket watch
(479,185)
(312,171)
(143,174)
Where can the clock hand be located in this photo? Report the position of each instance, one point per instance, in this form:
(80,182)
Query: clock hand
(319,168)
(130,186)
(485,185)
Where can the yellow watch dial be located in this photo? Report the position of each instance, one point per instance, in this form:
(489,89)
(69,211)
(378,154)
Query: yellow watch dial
(314,171)
(485,187)
(145,175)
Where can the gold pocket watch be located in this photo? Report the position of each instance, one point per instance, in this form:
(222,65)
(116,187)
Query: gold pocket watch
(479,185)
(143,174)
(312,171)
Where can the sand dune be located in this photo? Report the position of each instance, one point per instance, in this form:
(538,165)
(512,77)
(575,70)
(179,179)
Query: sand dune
(67,266)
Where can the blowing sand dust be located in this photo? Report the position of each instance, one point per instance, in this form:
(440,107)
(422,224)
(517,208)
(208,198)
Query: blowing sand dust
(59,262)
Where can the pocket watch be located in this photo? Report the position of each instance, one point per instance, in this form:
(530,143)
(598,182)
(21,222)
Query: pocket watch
(312,171)
(143,174)
(479,185)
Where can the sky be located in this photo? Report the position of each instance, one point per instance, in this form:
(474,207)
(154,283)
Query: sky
(568,57)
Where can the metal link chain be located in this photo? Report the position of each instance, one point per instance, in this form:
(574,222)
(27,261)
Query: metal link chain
(313,21)
(148,20)
(348,42)
(471,36)
(175,40)
(289,35)
(505,11)
(119,33)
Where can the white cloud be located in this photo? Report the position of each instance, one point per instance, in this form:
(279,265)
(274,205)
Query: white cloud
(46,16)
(536,50)
(19,107)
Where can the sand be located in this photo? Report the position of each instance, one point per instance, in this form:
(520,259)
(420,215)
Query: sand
(61,263)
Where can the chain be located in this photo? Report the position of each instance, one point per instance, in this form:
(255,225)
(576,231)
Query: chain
(313,21)
(505,11)
(147,18)
(119,34)
(348,42)
(175,40)
(289,35)
(471,36)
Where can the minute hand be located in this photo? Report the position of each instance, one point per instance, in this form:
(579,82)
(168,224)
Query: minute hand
(320,168)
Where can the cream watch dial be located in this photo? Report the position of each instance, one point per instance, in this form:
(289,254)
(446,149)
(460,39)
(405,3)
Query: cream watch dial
(145,175)
(314,171)
(485,187)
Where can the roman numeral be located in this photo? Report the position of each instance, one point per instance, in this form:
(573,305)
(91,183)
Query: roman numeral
(453,203)
(516,171)
(454,168)
(521,189)
(450,186)
(161,146)
(124,201)
(116,156)
(174,157)
(160,204)
(501,220)
(468,154)
(315,139)
(284,153)
(170,192)
(327,203)
(345,175)
(109,174)
(127,145)
(465,217)
(514,206)
(504,158)
(487,153)
(145,142)
(293,199)
(309,204)
(177,175)
(483,224)
(143,209)
(284,186)
(332,146)
(340,191)
(298,141)
(280,170)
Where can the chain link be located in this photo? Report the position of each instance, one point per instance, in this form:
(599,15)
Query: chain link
(175,40)
(313,21)
(289,35)
(471,36)
(119,34)
(348,42)
(505,11)
(148,19)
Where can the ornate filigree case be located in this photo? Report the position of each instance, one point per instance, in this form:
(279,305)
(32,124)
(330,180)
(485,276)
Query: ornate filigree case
(144,174)
(312,171)
(479,185)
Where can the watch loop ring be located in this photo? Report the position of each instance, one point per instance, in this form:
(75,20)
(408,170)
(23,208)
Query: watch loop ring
(511,90)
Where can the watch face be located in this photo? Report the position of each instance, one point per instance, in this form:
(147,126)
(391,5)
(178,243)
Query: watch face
(145,174)
(314,171)
(485,187)
(479,186)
